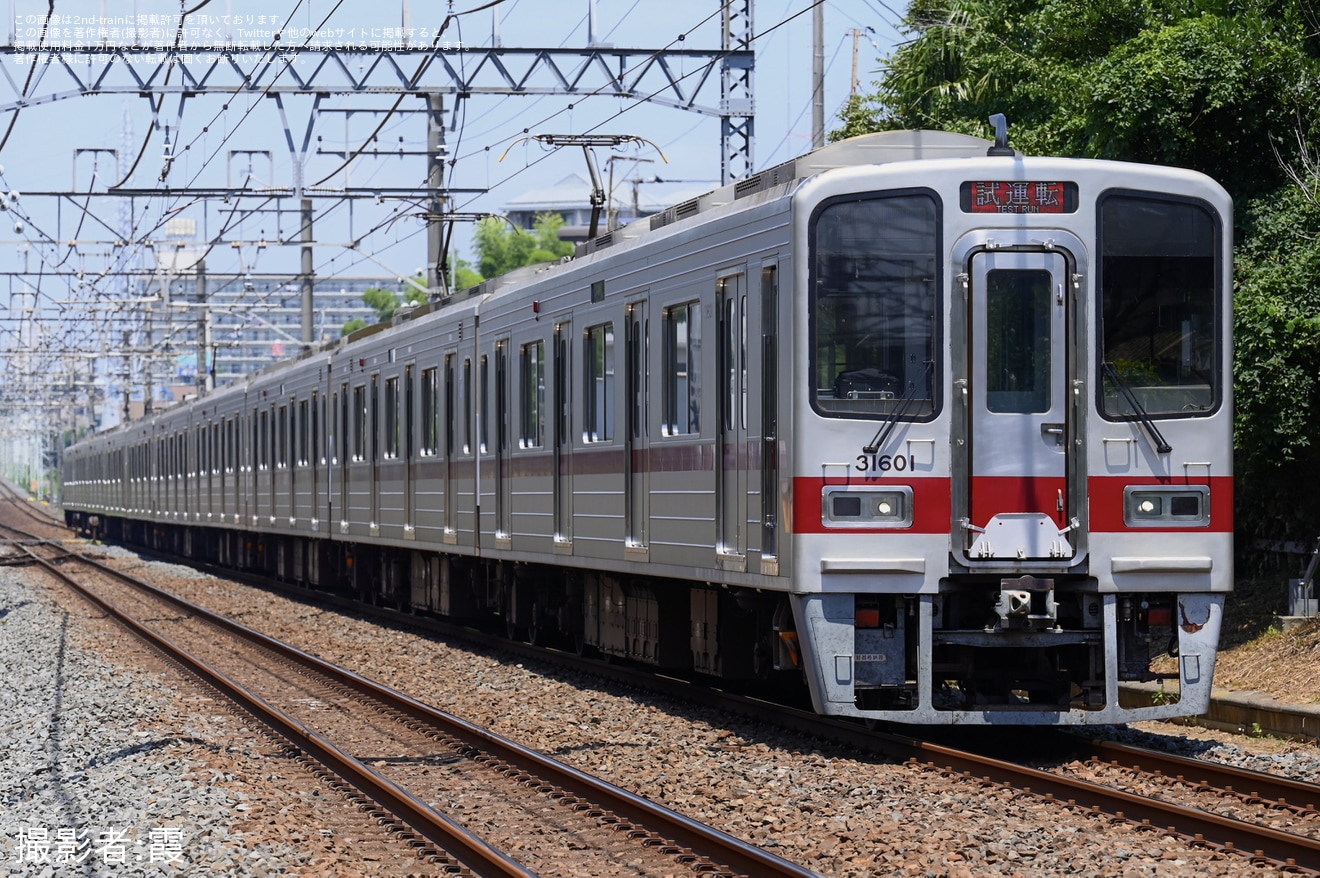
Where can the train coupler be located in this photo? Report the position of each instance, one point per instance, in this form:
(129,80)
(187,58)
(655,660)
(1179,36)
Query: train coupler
(1025,604)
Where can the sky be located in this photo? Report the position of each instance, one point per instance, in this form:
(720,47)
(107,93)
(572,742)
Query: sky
(63,146)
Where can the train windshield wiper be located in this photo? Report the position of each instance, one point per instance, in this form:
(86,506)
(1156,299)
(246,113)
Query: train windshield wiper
(891,420)
(1143,416)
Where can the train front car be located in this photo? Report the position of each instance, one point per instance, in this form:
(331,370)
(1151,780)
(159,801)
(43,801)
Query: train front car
(1012,450)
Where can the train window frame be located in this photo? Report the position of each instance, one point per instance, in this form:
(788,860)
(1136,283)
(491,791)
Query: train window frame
(302,435)
(682,388)
(408,421)
(373,437)
(531,379)
(391,449)
(263,440)
(466,406)
(1120,378)
(359,415)
(598,379)
(282,434)
(894,401)
(483,400)
(430,445)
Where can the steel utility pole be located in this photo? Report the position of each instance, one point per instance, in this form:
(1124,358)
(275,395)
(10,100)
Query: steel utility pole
(435,181)
(818,76)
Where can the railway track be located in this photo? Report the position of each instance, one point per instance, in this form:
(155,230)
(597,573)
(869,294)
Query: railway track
(1263,818)
(433,774)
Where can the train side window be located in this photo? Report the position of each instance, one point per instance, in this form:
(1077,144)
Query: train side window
(450,412)
(408,414)
(1159,308)
(598,373)
(532,390)
(263,441)
(360,415)
(344,450)
(874,306)
(430,412)
(282,446)
(373,438)
(682,369)
(391,418)
(303,433)
(485,412)
(467,405)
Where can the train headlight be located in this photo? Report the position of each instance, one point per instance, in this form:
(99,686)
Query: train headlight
(1149,506)
(888,506)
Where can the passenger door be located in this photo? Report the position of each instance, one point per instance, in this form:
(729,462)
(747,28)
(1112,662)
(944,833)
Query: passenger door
(731,457)
(563,463)
(635,438)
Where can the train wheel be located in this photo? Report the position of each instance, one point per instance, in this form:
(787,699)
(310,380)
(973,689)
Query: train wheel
(535,629)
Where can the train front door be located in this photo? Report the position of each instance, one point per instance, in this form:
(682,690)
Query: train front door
(1019,427)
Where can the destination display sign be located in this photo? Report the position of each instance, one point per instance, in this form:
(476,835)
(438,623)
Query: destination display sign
(1018,196)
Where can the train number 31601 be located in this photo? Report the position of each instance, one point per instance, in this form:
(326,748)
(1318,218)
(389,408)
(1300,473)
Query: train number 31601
(883,463)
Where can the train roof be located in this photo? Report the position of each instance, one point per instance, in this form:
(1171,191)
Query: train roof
(867,149)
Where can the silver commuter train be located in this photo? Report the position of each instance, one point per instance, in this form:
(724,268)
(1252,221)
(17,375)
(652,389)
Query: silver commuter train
(942,429)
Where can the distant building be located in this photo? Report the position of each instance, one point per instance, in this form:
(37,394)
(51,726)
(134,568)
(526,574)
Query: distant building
(252,324)
(571,198)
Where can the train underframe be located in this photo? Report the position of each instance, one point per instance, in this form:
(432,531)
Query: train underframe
(1020,650)
(1012,650)
(731,633)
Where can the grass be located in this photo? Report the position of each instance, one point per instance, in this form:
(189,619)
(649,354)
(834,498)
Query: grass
(1250,611)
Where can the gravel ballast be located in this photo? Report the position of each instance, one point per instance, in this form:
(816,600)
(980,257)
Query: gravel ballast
(132,769)
(836,811)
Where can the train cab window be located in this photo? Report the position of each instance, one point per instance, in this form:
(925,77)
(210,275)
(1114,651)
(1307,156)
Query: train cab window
(532,389)
(430,413)
(598,392)
(1159,306)
(682,369)
(874,304)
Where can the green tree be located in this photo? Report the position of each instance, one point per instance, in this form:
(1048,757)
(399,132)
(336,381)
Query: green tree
(464,274)
(1227,87)
(384,302)
(1276,366)
(501,249)
(1204,84)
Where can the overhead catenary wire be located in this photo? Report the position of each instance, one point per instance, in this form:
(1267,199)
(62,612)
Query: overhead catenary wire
(145,224)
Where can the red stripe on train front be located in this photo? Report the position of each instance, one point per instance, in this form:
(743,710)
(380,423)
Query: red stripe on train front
(931,506)
(1107,503)
(933,509)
